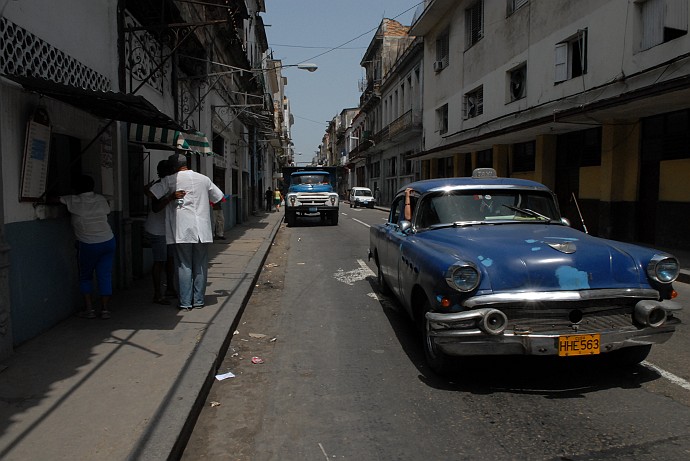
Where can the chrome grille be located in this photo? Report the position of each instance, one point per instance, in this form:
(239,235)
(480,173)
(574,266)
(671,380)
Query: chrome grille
(571,317)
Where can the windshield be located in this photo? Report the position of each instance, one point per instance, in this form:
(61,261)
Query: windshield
(485,206)
(365,192)
(310,179)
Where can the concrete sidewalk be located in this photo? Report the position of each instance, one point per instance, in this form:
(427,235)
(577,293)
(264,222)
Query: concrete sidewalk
(129,387)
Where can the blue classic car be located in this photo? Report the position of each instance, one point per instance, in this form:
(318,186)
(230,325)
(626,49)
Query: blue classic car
(487,266)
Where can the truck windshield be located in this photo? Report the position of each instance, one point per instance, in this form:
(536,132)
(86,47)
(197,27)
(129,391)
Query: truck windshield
(366,193)
(310,179)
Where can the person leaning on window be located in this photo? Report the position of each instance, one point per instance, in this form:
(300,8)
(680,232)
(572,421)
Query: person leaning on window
(95,243)
(408,206)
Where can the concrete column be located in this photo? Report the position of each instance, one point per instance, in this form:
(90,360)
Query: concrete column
(500,160)
(545,160)
(432,169)
(458,165)
(5,317)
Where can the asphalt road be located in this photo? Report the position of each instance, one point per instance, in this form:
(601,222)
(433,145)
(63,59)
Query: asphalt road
(343,377)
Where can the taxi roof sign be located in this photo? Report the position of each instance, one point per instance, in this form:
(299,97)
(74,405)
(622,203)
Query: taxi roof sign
(484,173)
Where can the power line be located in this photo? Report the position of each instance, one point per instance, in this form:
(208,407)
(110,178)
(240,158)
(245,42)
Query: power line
(318,47)
(307,119)
(360,35)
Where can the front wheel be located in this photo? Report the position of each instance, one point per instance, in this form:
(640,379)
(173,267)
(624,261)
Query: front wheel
(439,362)
(290,218)
(383,286)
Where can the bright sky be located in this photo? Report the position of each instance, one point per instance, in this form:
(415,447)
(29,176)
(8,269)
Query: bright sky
(305,31)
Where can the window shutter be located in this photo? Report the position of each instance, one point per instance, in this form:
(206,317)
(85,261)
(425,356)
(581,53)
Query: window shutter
(561,54)
(676,14)
(652,23)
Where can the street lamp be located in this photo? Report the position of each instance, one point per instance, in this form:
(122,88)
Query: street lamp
(308,66)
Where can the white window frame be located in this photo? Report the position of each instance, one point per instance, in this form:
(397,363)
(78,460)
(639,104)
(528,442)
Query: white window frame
(478,95)
(442,119)
(563,57)
(443,48)
(511,73)
(514,5)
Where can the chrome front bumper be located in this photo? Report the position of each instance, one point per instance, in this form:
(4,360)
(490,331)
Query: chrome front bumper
(486,331)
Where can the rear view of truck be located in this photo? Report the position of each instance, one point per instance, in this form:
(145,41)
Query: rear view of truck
(311,192)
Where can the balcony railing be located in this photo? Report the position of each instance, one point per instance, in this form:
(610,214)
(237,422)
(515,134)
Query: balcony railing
(406,121)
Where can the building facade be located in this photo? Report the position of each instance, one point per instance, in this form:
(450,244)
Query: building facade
(386,132)
(569,94)
(153,78)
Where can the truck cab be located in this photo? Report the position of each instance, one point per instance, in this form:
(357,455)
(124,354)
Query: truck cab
(311,192)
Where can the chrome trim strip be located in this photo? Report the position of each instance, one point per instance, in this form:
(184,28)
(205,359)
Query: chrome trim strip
(545,296)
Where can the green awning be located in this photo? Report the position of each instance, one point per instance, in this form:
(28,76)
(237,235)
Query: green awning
(164,138)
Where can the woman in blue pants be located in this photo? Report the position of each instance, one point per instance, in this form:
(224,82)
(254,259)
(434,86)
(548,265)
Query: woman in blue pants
(95,243)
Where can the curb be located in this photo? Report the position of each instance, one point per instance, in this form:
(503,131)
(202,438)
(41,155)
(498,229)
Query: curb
(172,425)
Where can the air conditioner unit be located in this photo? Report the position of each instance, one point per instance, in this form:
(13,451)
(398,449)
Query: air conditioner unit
(438,66)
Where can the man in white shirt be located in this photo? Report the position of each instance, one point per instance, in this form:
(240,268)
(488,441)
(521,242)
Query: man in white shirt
(188,225)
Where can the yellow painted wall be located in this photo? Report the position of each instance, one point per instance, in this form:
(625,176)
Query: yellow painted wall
(500,160)
(457,165)
(590,182)
(545,161)
(674,180)
(620,153)
(523,175)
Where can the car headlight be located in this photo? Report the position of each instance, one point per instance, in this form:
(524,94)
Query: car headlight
(663,269)
(463,277)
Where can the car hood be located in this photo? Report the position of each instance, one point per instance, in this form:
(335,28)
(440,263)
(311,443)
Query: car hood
(519,257)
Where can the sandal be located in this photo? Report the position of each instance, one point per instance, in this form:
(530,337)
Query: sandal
(162,301)
(105,314)
(87,314)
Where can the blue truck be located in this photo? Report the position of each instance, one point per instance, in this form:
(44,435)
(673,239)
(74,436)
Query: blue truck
(311,191)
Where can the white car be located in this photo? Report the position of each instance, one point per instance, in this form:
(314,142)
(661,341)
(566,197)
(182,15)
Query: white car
(361,196)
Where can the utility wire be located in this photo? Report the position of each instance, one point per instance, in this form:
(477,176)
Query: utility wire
(360,35)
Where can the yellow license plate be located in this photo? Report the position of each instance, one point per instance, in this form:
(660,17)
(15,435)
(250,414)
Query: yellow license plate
(579,345)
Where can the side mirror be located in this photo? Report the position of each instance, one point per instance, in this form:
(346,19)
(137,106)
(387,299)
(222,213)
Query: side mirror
(565,222)
(405,226)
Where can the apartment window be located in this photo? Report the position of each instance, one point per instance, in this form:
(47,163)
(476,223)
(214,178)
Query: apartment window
(393,166)
(442,51)
(442,119)
(514,5)
(405,165)
(517,83)
(218,145)
(474,23)
(571,57)
(485,158)
(661,21)
(444,167)
(524,154)
(474,103)
(376,169)
(64,166)
(579,148)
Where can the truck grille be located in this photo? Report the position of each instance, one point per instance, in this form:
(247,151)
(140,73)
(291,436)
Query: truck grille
(313,199)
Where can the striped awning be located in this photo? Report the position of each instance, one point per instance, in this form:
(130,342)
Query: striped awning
(195,142)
